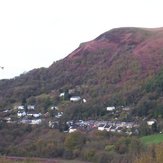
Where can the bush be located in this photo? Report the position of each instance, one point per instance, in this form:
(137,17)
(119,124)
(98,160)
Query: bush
(103,157)
(74,141)
(88,154)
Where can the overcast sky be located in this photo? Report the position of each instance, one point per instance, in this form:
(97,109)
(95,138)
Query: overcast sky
(34,33)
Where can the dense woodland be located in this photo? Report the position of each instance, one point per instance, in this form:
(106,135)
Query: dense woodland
(41,142)
(101,147)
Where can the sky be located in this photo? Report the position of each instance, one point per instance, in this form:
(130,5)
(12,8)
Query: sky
(35,33)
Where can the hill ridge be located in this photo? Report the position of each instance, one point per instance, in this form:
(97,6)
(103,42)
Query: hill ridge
(118,64)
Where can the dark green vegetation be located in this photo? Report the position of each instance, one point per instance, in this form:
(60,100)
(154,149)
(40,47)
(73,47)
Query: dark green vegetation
(100,147)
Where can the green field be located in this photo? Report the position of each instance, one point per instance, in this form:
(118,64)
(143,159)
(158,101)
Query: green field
(152,139)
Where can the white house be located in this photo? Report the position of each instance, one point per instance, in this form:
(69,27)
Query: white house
(84,100)
(35,115)
(6,111)
(59,115)
(101,127)
(52,108)
(126,108)
(7,119)
(35,121)
(21,114)
(21,107)
(113,129)
(51,124)
(75,98)
(62,94)
(107,127)
(119,129)
(151,122)
(72,129)
(30,107)
(110,108)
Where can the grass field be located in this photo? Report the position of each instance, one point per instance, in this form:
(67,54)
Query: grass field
(152,139)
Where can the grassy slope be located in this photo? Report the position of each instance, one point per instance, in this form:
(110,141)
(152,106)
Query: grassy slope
(152,139)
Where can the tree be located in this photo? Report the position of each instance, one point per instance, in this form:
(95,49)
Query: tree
(74,141)
(144,129)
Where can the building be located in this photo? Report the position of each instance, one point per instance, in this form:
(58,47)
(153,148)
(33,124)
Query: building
(75,98)
(111,108)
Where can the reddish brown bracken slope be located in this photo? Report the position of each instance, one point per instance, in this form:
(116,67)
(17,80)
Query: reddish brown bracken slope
(117,63)
(144,45)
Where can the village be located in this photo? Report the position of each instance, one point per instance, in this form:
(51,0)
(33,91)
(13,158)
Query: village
(30,115)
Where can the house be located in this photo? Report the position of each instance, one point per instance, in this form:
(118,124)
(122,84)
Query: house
(101,127)
(151,122)
(126,108)
(6,111)
(84,100)
(111,108)
(75,98)
(47,114)
(107,127)
(56,108)
(53,124)
(128,132)
(35,121)
(21,114)
(119,124)
(25,121)
(70,123)
(123,124)
(7,119)
(59,115)
(79,123)
(129,124)
(71,91)
(62,94)
(113,129)
(119,129)
(35,115)
(30,107)
(52,108)
(72,129)
(31,122)
(21,107)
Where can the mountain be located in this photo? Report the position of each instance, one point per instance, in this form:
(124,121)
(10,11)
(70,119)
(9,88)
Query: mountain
(120,67)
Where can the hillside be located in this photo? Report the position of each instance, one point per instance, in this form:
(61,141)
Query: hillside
(120,67)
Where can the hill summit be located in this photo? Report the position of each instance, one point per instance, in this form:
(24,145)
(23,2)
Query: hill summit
(120,67)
